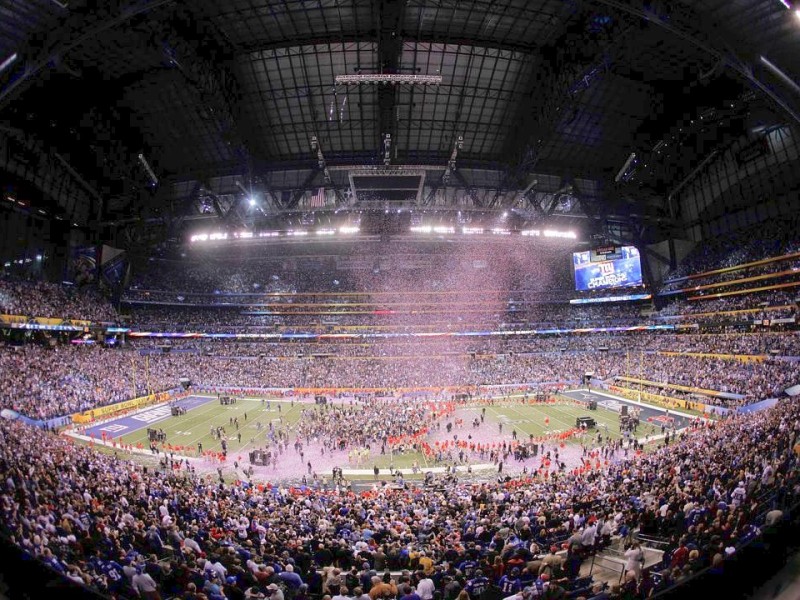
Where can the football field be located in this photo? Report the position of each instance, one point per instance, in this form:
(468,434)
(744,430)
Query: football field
(195,426)
(501,421)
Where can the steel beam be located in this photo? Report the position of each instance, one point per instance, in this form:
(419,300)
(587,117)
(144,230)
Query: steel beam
(476,201)
(78,27)
(390,15)
(556,80)
(202,62)
(27,158)
(298,193)
(683,21)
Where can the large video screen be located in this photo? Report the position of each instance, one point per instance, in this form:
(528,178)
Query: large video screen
(625,270)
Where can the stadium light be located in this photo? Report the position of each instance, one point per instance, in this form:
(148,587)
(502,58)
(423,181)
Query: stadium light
(388,79)
(252,201)
(549,233)
(568,235)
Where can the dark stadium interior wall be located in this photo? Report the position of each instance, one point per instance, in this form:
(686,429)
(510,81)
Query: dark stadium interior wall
(24,237)
(29,161)
(680,248)
(754,179)
(782,207)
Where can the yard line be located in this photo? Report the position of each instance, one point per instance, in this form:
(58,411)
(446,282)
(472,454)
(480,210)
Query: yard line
(247,445)
(543,412)
(194,423)
(141,434)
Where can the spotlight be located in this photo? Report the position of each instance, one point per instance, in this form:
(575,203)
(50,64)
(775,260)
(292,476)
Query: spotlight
(252,201)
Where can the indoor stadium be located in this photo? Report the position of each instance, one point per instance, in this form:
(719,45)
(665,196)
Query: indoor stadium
(400,299)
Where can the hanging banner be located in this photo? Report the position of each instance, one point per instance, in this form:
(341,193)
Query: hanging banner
(83,265)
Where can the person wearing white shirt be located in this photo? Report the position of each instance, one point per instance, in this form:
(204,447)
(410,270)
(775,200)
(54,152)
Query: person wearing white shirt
(634,559)
(738,495)
(192,545)
(217,568)
(520,595)
(145,586)
(425,588)
(589,536)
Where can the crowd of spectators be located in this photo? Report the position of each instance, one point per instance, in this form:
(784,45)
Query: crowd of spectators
(442,314)
(778,266)
(780,344)
(44,382)
(356,266)
(43,299)
(445,287)
(131,531)
(135,532)
(711,305)
(764,240)
(752,380)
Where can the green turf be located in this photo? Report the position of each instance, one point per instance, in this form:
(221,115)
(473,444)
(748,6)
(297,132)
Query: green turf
(195,426)
(188,430)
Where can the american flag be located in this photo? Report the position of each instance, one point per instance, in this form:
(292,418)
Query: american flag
(318,199)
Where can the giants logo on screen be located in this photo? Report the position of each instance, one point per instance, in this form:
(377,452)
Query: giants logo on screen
(607,278)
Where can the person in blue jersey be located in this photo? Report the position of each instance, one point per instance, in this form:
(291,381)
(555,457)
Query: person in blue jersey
(409,593)
(540,586)
(290,578)
(510,583)
(112,571)
(527,576)
(476,586)
(467,567)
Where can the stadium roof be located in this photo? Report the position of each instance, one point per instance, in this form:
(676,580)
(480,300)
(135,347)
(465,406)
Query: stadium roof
(539,106)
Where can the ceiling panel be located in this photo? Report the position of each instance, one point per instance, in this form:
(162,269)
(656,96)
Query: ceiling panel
(513,22)
(252,24)
(289,95)
(480,87)
(180,129)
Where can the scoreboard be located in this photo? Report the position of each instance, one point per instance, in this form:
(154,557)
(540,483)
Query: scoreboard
(607,267)
(603,253)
